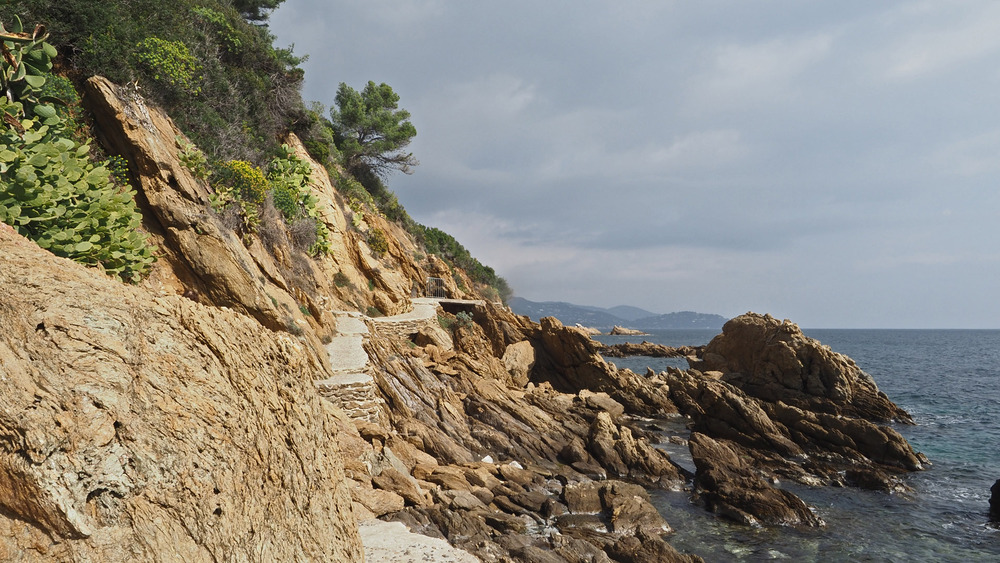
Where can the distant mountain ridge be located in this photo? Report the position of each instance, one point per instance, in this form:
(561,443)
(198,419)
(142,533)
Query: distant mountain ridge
(622,315)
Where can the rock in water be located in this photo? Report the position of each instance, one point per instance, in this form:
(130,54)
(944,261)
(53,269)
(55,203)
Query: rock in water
(995,501)
(773,361)
(732,488)
(142,428)
(622,331)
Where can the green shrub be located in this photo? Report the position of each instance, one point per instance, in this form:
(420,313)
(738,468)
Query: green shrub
(463,319)
(51,193)
(26,62)
(286,201)
(289,177)
(193,159)
(374,312)
(340,279)
(225,33)
(377,242)
(118,170)
(171,63)
(242,180)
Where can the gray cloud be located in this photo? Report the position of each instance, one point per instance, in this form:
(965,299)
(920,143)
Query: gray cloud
(835,164)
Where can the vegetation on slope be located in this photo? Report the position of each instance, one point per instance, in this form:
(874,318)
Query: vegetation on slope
(213,66)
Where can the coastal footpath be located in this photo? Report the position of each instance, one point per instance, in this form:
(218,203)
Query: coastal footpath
(249,402)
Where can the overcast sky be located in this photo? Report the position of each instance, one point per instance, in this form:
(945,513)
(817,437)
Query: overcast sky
(834,163)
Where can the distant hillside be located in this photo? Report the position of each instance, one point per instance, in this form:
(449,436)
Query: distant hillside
(568,313)
(623,315)
(683,319)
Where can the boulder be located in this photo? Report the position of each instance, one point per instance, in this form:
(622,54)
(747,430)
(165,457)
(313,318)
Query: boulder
(647,548)
(731,487)
(624,456)
(519,359)
(773,361)
(995,501)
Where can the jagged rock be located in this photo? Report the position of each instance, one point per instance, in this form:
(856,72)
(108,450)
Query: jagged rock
(729,486)
(378,502)
(723,411)
(143,427)
(390,479)
(435,335)
(847,436)
(616,449)
(570,361)
(773,361)
(630,511)
(519,359)
(622,331)
(602,401)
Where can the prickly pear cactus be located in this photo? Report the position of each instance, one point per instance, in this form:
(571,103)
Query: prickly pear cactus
(26,61)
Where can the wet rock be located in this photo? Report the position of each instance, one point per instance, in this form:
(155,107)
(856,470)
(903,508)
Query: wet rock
(731,487)
(647,548)
(622,331)
(995,501)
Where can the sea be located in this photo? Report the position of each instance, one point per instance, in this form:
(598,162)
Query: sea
(949,381)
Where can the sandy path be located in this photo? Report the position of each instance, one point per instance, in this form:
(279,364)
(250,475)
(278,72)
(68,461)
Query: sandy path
(392,542)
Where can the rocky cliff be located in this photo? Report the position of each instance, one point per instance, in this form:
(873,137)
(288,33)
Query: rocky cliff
(145,427)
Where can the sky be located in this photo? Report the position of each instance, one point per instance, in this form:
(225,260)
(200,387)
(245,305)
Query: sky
(833,163)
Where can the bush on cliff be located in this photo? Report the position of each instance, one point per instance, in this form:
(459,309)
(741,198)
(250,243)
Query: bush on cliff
(217,74)
(53,194)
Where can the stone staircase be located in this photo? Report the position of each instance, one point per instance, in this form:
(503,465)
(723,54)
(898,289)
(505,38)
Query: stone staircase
(352,388)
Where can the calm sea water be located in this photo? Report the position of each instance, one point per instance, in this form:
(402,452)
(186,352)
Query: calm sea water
(949,380)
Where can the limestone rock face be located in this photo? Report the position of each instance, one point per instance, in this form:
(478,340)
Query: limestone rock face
(142,427)
(774,361)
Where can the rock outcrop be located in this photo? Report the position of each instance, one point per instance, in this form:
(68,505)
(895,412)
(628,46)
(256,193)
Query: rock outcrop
(144,427)
(622,331)
(732,487)
(995,501)
(773,361)
(627,349)
(793,407)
